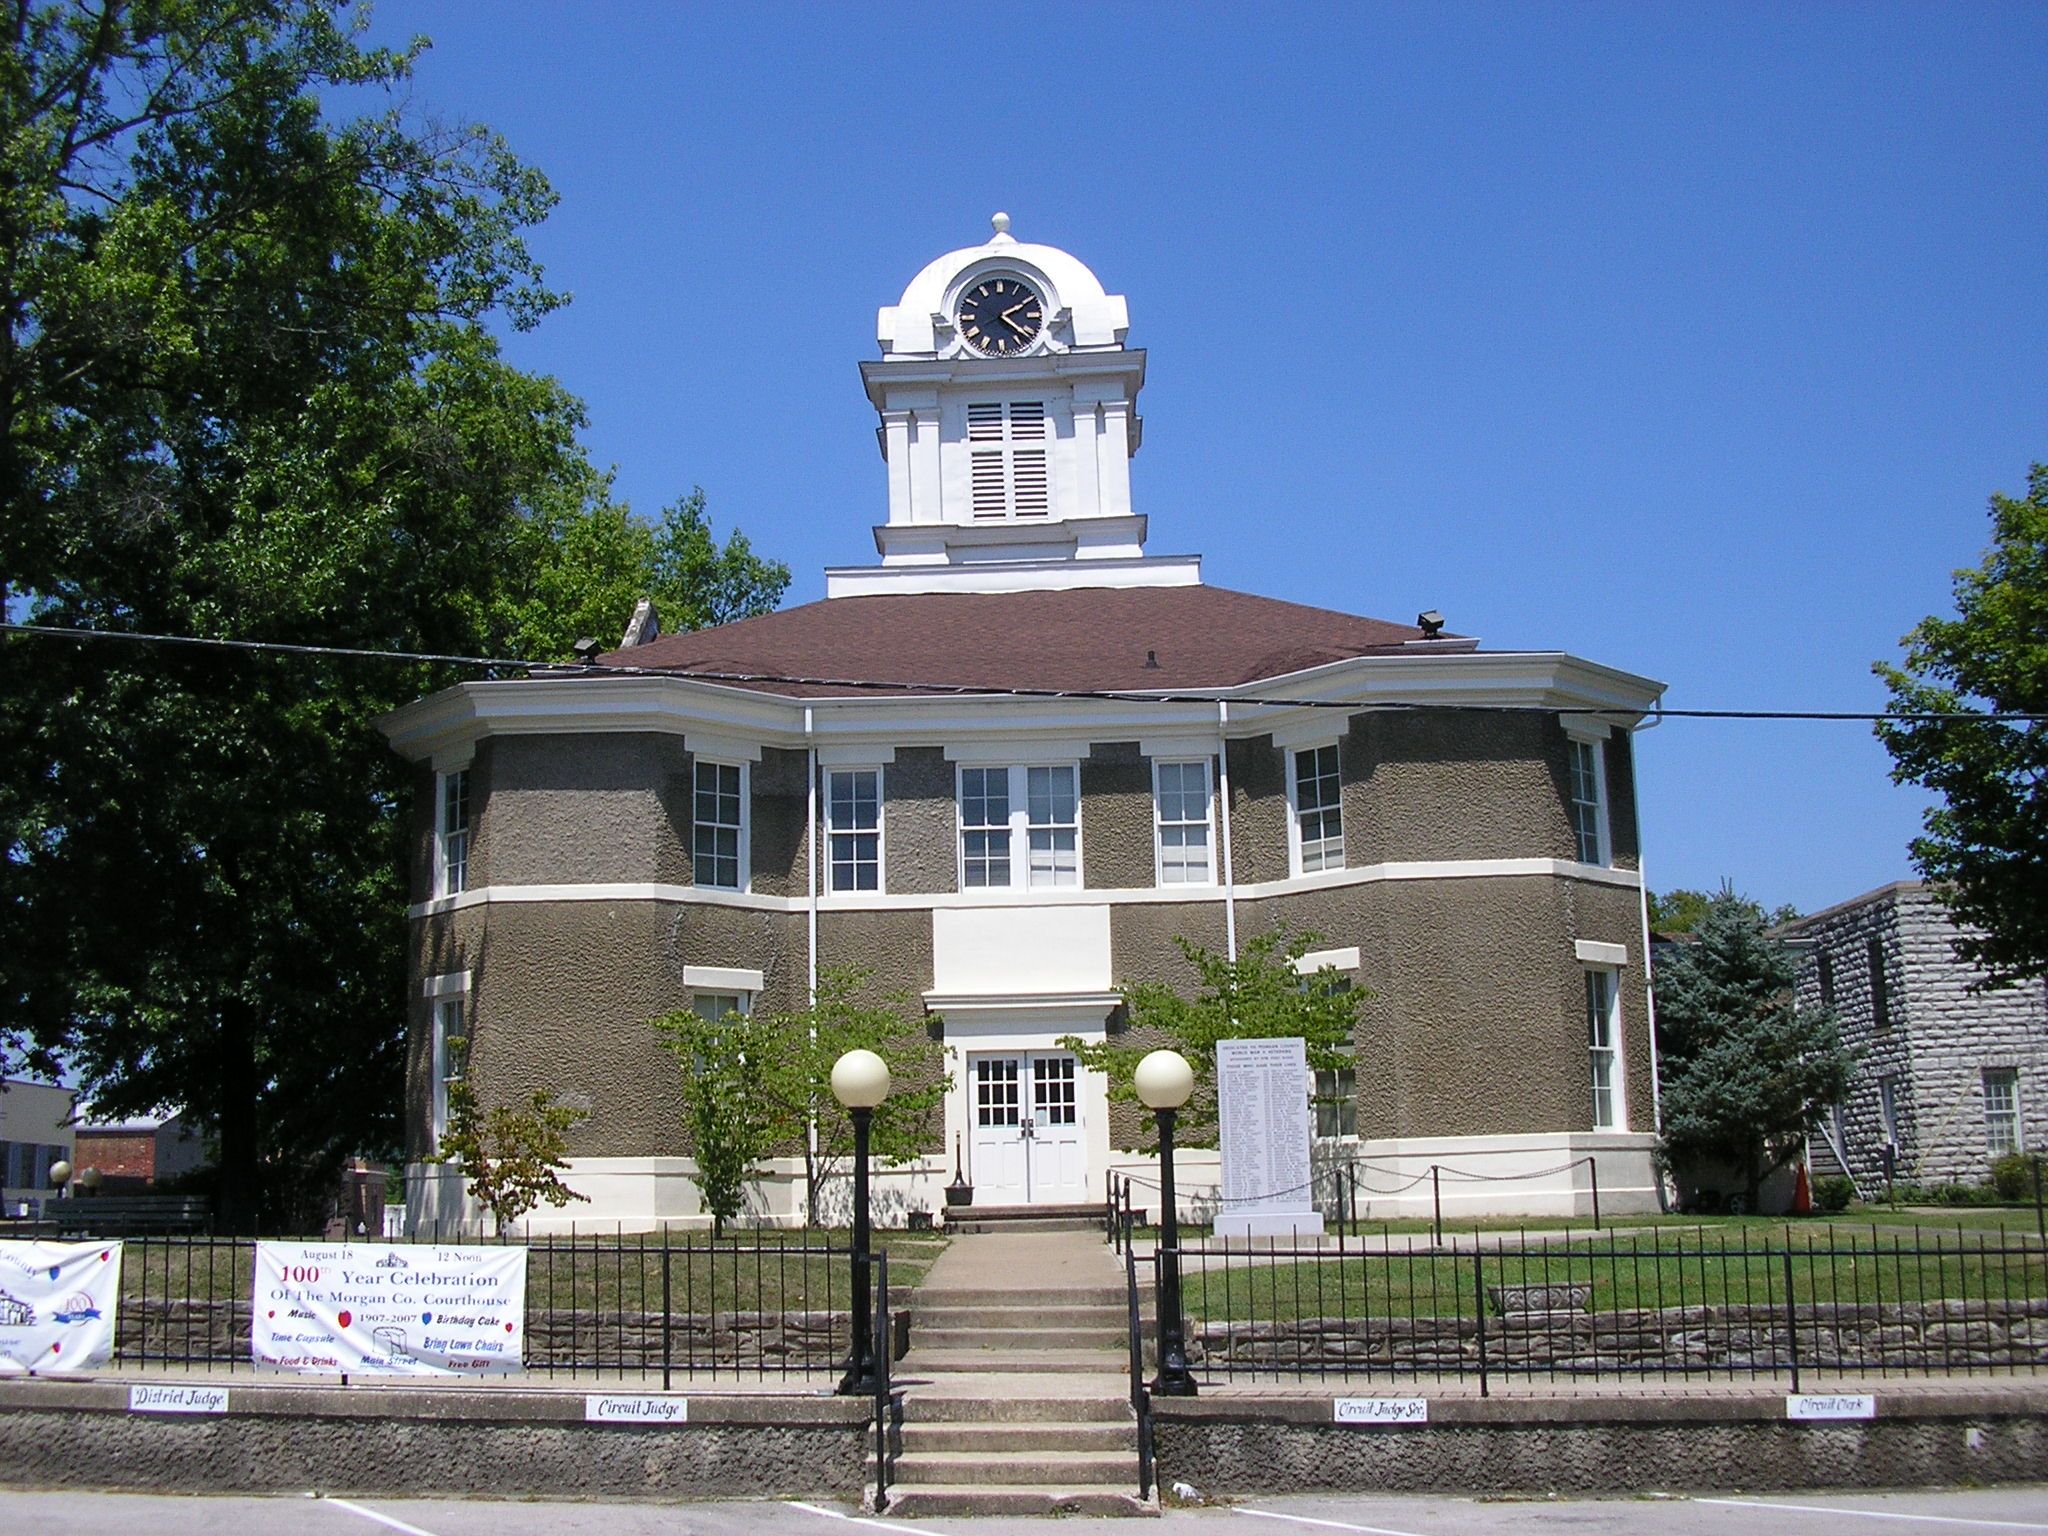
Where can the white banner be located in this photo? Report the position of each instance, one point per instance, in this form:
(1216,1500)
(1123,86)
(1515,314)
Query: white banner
(57,1305)
(385,1310)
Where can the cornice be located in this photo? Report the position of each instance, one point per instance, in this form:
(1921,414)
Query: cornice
(585,704)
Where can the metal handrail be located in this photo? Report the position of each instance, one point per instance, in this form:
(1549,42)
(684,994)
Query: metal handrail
(885,1349)
(1141,1397)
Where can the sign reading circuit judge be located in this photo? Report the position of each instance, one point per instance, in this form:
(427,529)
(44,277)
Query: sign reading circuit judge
(374,1309)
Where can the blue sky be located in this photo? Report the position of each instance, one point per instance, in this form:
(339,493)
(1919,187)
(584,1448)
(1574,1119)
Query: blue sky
(1689,339)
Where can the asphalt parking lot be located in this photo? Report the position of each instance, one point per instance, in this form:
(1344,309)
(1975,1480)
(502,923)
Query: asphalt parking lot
(1847,1514)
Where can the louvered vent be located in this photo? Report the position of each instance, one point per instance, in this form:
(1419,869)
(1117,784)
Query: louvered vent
(1007,480)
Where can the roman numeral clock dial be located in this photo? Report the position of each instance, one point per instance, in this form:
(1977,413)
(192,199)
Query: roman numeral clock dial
(1001,316)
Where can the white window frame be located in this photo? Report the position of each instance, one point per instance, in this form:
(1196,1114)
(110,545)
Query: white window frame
(1296,858)
(450,1022)
(1018,787)
(2009,1079)
(1599,833)
(742,1002)
(1340,1102)
(833,833)
(744,828)
(1607,980)
(451,842)
(1207,823)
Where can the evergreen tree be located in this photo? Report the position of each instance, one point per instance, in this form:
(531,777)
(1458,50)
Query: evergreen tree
(1745,1070)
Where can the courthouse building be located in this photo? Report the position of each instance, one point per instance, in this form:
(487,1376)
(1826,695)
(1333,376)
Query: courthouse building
(1003,767)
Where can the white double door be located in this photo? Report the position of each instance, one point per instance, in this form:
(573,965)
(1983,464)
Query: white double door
(1025,1108)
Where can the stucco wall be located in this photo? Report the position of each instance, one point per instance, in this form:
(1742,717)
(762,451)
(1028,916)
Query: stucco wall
(1116,818)
(579,809)
(1475,1023)
(781,814)
(1450,785)
(920,823)
(1258,810)
(561,998)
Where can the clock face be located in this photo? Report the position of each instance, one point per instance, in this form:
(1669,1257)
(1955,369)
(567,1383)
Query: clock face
(1001,316)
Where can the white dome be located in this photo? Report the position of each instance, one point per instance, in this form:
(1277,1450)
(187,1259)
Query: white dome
(1095,319)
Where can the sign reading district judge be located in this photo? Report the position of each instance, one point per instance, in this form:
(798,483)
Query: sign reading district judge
(57,1305)
(382,1310)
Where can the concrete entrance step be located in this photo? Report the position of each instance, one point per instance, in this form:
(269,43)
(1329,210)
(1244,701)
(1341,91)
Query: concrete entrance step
(929,1500)
(1018,1338)
(1105,1435)
(1017,1468)
(930,1297)
(1097,1317)
(968,1225)
(1055,1400)
(939,1362)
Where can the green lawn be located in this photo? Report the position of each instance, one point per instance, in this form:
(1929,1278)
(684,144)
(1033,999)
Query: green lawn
(1733,1261)
(748,1271)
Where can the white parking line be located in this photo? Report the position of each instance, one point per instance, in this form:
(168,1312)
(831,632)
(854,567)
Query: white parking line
(1874,1514)
(1334,1525)
(880,1525)
(371,1514)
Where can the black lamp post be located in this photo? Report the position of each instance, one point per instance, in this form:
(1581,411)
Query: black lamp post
(1164,1081)
(860,1081)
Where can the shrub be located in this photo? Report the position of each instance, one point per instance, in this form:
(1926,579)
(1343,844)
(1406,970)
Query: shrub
(2013,1177)
(1832,1193)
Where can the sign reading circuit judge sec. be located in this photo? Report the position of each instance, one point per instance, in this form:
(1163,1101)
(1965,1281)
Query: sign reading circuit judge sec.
(377,1309)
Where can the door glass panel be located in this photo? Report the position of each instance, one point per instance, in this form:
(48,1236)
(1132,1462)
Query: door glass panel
(995,1091)
(1052,1090)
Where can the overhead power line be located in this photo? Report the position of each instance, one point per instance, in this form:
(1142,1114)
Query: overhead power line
(1109,695)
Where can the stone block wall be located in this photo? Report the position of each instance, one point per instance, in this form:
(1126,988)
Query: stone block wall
(1937,1038)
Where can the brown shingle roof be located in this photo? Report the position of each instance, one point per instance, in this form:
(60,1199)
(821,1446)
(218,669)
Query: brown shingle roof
(1086,638)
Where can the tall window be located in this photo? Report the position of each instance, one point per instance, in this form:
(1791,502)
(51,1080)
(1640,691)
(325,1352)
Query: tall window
(853,821)
(719,829)
(1053,825)
(1601,1034)
(1824,969)
(985,826)
(1019,826)
(1888,1109)
(2002,1110)
(1008,473)
(1318,810)
(1880,989)
(1589,814)
(451,833)
(1336,1102)
(450,1062)
(1180,801)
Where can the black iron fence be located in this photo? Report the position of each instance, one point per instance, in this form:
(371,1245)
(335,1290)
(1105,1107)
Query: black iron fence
(597,1305)
(1664,1303)
(1335,1192)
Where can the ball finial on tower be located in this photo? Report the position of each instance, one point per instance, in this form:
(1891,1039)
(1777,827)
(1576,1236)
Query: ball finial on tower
(1002,223)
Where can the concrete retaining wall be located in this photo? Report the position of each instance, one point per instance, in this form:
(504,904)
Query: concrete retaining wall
(491,1442)
(1633,1445)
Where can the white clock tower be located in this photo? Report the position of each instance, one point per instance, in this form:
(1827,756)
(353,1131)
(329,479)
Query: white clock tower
(1009,414)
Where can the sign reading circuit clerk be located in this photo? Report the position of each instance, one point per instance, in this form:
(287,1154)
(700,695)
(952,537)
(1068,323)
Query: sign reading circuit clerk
(383,1310)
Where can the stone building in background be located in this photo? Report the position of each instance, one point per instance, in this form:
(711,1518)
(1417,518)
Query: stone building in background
(1004,768)
(1948,1076)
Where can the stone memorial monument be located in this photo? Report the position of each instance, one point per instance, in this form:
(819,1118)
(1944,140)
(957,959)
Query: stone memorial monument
(1262,1096)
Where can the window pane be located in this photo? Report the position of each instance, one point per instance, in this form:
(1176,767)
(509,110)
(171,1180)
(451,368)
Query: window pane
(716,834)
(852,815)
(1318,809)
(2002,1110)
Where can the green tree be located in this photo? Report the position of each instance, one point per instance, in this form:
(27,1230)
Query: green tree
(781,1101)
(1745,1069)
(731,1120)
(1258,996)
(249,392)
(511,1155)
(1985,845)
(1682,911)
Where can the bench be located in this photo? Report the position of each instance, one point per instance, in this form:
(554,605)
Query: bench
(121,1215)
